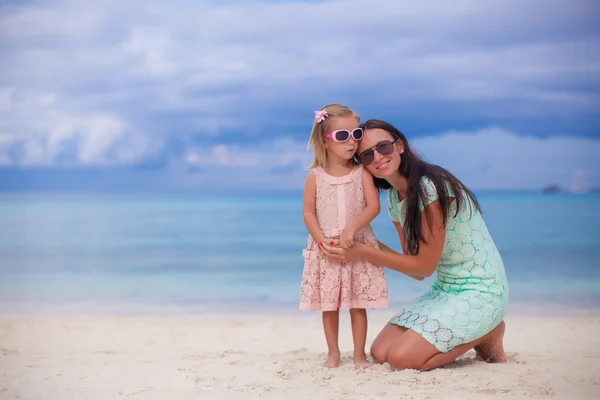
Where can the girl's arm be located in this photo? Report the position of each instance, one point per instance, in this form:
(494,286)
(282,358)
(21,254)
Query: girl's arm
(309,208)
(367,215)
(372,203)
(421,265)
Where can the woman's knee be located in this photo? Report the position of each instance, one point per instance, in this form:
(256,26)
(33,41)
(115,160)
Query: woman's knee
(399,359)
(380,348)
(379,352)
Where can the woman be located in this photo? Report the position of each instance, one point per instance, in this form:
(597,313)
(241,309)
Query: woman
(441,230)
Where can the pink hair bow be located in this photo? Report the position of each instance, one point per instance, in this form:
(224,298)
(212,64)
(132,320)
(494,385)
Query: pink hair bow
(320,115)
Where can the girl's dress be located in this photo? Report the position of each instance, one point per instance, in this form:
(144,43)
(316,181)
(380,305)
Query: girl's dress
(470,294)
(327,284)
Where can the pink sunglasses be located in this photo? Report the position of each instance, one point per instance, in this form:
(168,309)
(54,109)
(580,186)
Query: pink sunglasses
(343,135)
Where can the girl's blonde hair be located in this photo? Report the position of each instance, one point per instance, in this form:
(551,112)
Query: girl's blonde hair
(320,129)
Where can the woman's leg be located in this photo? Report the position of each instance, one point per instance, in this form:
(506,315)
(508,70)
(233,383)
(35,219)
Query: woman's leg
(331,325)
(489,348)
(358,318)
(412,351)
(386,339)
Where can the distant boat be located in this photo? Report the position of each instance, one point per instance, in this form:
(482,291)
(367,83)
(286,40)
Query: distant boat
(551,189)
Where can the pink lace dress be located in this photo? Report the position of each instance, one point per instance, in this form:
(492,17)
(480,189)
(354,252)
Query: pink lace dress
(327,284)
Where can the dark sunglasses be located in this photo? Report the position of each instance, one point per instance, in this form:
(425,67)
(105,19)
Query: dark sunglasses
(385,148)
(343,135)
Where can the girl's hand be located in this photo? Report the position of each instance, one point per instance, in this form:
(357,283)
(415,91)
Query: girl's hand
(347,237)
(335,242)
(341,254)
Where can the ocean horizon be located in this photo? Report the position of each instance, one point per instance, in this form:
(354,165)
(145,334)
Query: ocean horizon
(242,252)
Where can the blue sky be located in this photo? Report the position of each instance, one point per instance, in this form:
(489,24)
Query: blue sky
(141,95)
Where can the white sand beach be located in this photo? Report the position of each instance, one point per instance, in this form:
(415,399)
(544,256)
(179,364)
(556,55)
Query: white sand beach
(274,357)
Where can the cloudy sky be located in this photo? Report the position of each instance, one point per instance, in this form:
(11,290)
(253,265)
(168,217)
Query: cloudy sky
(189,95)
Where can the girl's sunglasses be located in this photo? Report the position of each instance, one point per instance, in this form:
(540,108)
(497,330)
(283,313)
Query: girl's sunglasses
(343,135)
(385,148)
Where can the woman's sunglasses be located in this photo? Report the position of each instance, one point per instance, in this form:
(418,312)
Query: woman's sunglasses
(385,148)
(343,135)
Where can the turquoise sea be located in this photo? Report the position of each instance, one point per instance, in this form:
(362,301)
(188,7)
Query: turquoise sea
(242,252)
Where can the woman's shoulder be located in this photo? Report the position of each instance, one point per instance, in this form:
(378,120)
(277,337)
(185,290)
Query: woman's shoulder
(430,190)
(428,185)
(392,196)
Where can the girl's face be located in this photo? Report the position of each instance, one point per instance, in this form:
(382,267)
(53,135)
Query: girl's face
(380,153)
(343,150)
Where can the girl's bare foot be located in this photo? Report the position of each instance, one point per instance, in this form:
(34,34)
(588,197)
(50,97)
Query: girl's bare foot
(360,360)
(333,360)
(492,350)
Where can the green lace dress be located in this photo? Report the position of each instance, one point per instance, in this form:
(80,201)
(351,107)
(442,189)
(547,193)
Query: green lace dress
(470,294)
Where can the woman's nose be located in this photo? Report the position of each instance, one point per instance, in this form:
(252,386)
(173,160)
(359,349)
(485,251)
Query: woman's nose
(376,155)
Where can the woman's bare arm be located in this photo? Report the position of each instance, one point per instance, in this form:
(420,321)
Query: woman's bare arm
(421,265)
(386,248)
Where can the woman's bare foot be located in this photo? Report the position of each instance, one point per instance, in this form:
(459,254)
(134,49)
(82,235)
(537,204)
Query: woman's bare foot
(360,360)
(333,360)
(492,350)
(480,354)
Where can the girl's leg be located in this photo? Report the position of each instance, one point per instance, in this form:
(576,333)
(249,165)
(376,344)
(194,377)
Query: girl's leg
(331,325)
(358,318)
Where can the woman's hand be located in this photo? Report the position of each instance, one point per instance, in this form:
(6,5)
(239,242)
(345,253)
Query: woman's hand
(338,253)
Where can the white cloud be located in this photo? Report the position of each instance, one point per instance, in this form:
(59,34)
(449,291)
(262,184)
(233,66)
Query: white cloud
(150,43)
(38,134)
(94,140)
(83,83)
(222,155)
(215,57)
(264,156)
(276,164)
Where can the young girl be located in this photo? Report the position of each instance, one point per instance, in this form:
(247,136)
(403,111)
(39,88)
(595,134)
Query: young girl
(340,201)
